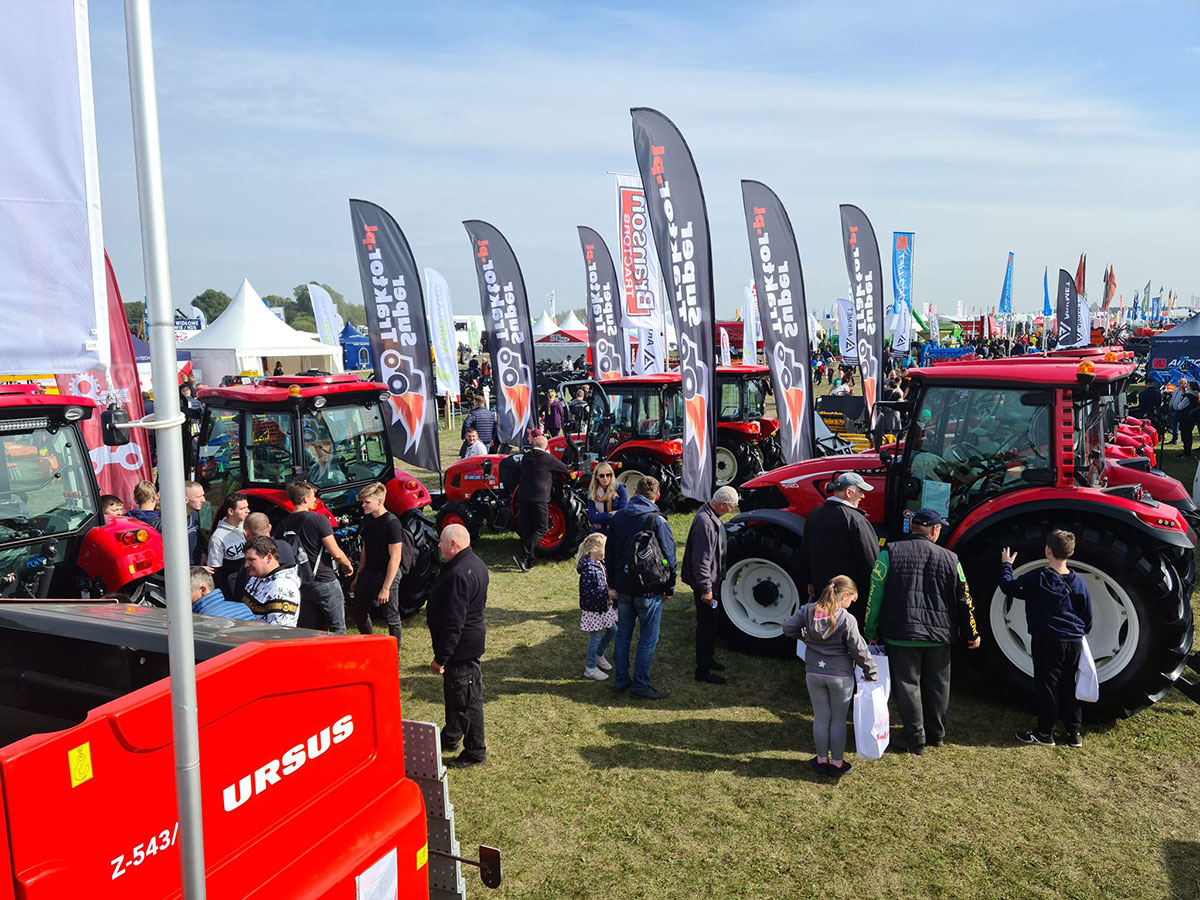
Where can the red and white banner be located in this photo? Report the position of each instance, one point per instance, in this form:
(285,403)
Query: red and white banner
(118,469)
(641,307)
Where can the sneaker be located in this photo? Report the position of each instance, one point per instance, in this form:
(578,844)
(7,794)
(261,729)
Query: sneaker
(1034,736)
(594,673)
(821,768)
(838,771)
(938,742)
(521,564)
(463,761)
(650,694)
(1074,739)
(710,678)
(604,664)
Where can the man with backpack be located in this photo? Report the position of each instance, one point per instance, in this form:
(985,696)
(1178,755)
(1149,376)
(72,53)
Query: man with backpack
(311,537)
(640,564)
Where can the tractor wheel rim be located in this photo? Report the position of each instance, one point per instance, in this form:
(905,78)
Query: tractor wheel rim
(452,519)
(558,528)
(630,478)
(726,466)
(1115,632)
(746,611)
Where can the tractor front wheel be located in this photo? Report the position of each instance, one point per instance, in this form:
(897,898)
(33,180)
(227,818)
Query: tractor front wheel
(634,466)
(762,588)
(736,462)
(569,525)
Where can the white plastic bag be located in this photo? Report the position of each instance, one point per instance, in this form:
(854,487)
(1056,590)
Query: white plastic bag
(1087,682)
(872,723)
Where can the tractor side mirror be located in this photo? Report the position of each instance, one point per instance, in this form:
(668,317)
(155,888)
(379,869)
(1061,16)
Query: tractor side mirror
(885,456)
(487,468)
(111,422)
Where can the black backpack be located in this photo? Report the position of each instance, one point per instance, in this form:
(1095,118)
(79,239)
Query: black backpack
(304,565)
(648,571)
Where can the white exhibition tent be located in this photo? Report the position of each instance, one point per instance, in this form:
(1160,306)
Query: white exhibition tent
(571,323)
(248,339)
(544,326)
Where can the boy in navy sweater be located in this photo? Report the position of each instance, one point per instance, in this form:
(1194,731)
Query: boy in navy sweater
(1058,609)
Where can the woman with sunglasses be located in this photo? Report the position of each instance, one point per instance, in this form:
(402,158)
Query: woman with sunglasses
(606,496)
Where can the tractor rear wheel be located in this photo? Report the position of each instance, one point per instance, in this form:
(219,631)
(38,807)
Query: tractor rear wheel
(417,584)
(1141,620)
(569,525)
(634,466)
(762,588)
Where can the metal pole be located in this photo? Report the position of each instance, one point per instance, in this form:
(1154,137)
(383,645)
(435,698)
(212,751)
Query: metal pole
(160,308)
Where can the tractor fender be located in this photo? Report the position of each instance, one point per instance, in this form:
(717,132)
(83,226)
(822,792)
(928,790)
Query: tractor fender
(746,431)
(405,493)
(1053,506)
(669,453)
(279,499)
(105,557)
(787,521)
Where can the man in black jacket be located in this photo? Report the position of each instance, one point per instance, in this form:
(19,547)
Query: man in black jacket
(703,570)
(538,468)
(919,606)
(455,617)
(838,540)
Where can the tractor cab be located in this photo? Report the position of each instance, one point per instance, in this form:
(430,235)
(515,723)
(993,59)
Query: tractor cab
(53,539)
(747,441)
(331,430)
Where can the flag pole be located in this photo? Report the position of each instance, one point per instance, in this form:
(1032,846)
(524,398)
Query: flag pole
(180,639)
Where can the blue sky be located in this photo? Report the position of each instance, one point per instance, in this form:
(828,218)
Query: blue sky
(1044,129)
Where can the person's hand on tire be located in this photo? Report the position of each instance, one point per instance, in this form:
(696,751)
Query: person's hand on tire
(1007,556)
(973,644)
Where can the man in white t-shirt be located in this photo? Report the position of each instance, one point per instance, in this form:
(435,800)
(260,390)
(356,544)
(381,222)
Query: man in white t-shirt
(225,546)
(475,447)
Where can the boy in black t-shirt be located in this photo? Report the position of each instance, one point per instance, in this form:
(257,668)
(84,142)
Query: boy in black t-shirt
(381,565)
(1058,610)
(324,603)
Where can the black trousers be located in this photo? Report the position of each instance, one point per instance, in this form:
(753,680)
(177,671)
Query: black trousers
(533,521)
(462,689)
(365,592)
(921,689)
(1054,667)
(706,636)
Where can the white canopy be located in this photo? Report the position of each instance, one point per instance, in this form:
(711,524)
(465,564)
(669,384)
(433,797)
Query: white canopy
(544,326)
(572,323)
(249,338)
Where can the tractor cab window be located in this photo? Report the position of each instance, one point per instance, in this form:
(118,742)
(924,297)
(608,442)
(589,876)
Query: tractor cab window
(1090,422)
(729,401)
(636,414)
(969,444)
(756,398)
(673,420)
(269,457)
(45,483)
(219,461)
(344,444)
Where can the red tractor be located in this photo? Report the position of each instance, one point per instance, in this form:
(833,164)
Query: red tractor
(330,430)
(54,541)
(480,493)
(1006,453)
(747,440)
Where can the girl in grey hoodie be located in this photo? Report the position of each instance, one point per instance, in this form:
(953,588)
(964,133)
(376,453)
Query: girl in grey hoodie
(833,645)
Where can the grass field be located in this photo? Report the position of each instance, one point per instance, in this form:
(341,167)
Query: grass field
(708,794)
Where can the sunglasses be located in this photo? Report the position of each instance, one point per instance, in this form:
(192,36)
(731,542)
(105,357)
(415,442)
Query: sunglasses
(604,475)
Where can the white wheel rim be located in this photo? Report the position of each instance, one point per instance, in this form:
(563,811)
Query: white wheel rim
(726,465)
(630,478)
(1115,627)
(747,614)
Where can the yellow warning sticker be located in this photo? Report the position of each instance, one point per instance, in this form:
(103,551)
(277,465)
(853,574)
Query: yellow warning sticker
(80,762)
(422,856)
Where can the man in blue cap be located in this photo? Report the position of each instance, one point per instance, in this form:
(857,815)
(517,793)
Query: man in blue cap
(919,606)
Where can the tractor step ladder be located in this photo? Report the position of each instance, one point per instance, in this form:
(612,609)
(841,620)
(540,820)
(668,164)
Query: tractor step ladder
(423,764)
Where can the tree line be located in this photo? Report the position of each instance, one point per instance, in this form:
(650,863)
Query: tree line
(297,309)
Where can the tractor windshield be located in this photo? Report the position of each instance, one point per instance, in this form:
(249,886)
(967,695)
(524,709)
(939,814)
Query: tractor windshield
(756,398)
(45,483)
(1090,424)
(968,444)
(636,414)
(344,444)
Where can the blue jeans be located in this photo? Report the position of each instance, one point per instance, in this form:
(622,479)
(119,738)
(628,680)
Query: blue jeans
(647,612)
(597,643)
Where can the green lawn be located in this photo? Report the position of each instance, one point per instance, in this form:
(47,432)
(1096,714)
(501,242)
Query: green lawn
(708,794)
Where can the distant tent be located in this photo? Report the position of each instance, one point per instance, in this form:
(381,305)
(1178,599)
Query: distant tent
(558,345)
(249,338)
(571,322)
(1168,348)
(544,326)
(356,349)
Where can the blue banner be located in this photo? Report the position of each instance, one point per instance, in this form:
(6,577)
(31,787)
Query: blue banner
(1006,293)
(1137,306)
(1155,307)
(902,249)
(1046,310)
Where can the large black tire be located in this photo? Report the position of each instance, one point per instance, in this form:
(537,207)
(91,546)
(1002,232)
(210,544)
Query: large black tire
(569,525)
(635,465)
(761,589)
(1142,620)
(455,512)
(736,462)
(772,452)
(417,584)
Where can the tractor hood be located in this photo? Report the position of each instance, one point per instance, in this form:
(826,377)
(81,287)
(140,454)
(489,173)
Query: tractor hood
(801,487)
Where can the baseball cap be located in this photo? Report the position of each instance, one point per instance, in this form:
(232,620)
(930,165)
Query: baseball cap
(929,517)
(851,479)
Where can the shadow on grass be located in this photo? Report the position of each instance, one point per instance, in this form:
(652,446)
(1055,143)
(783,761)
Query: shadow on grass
(1183,868)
